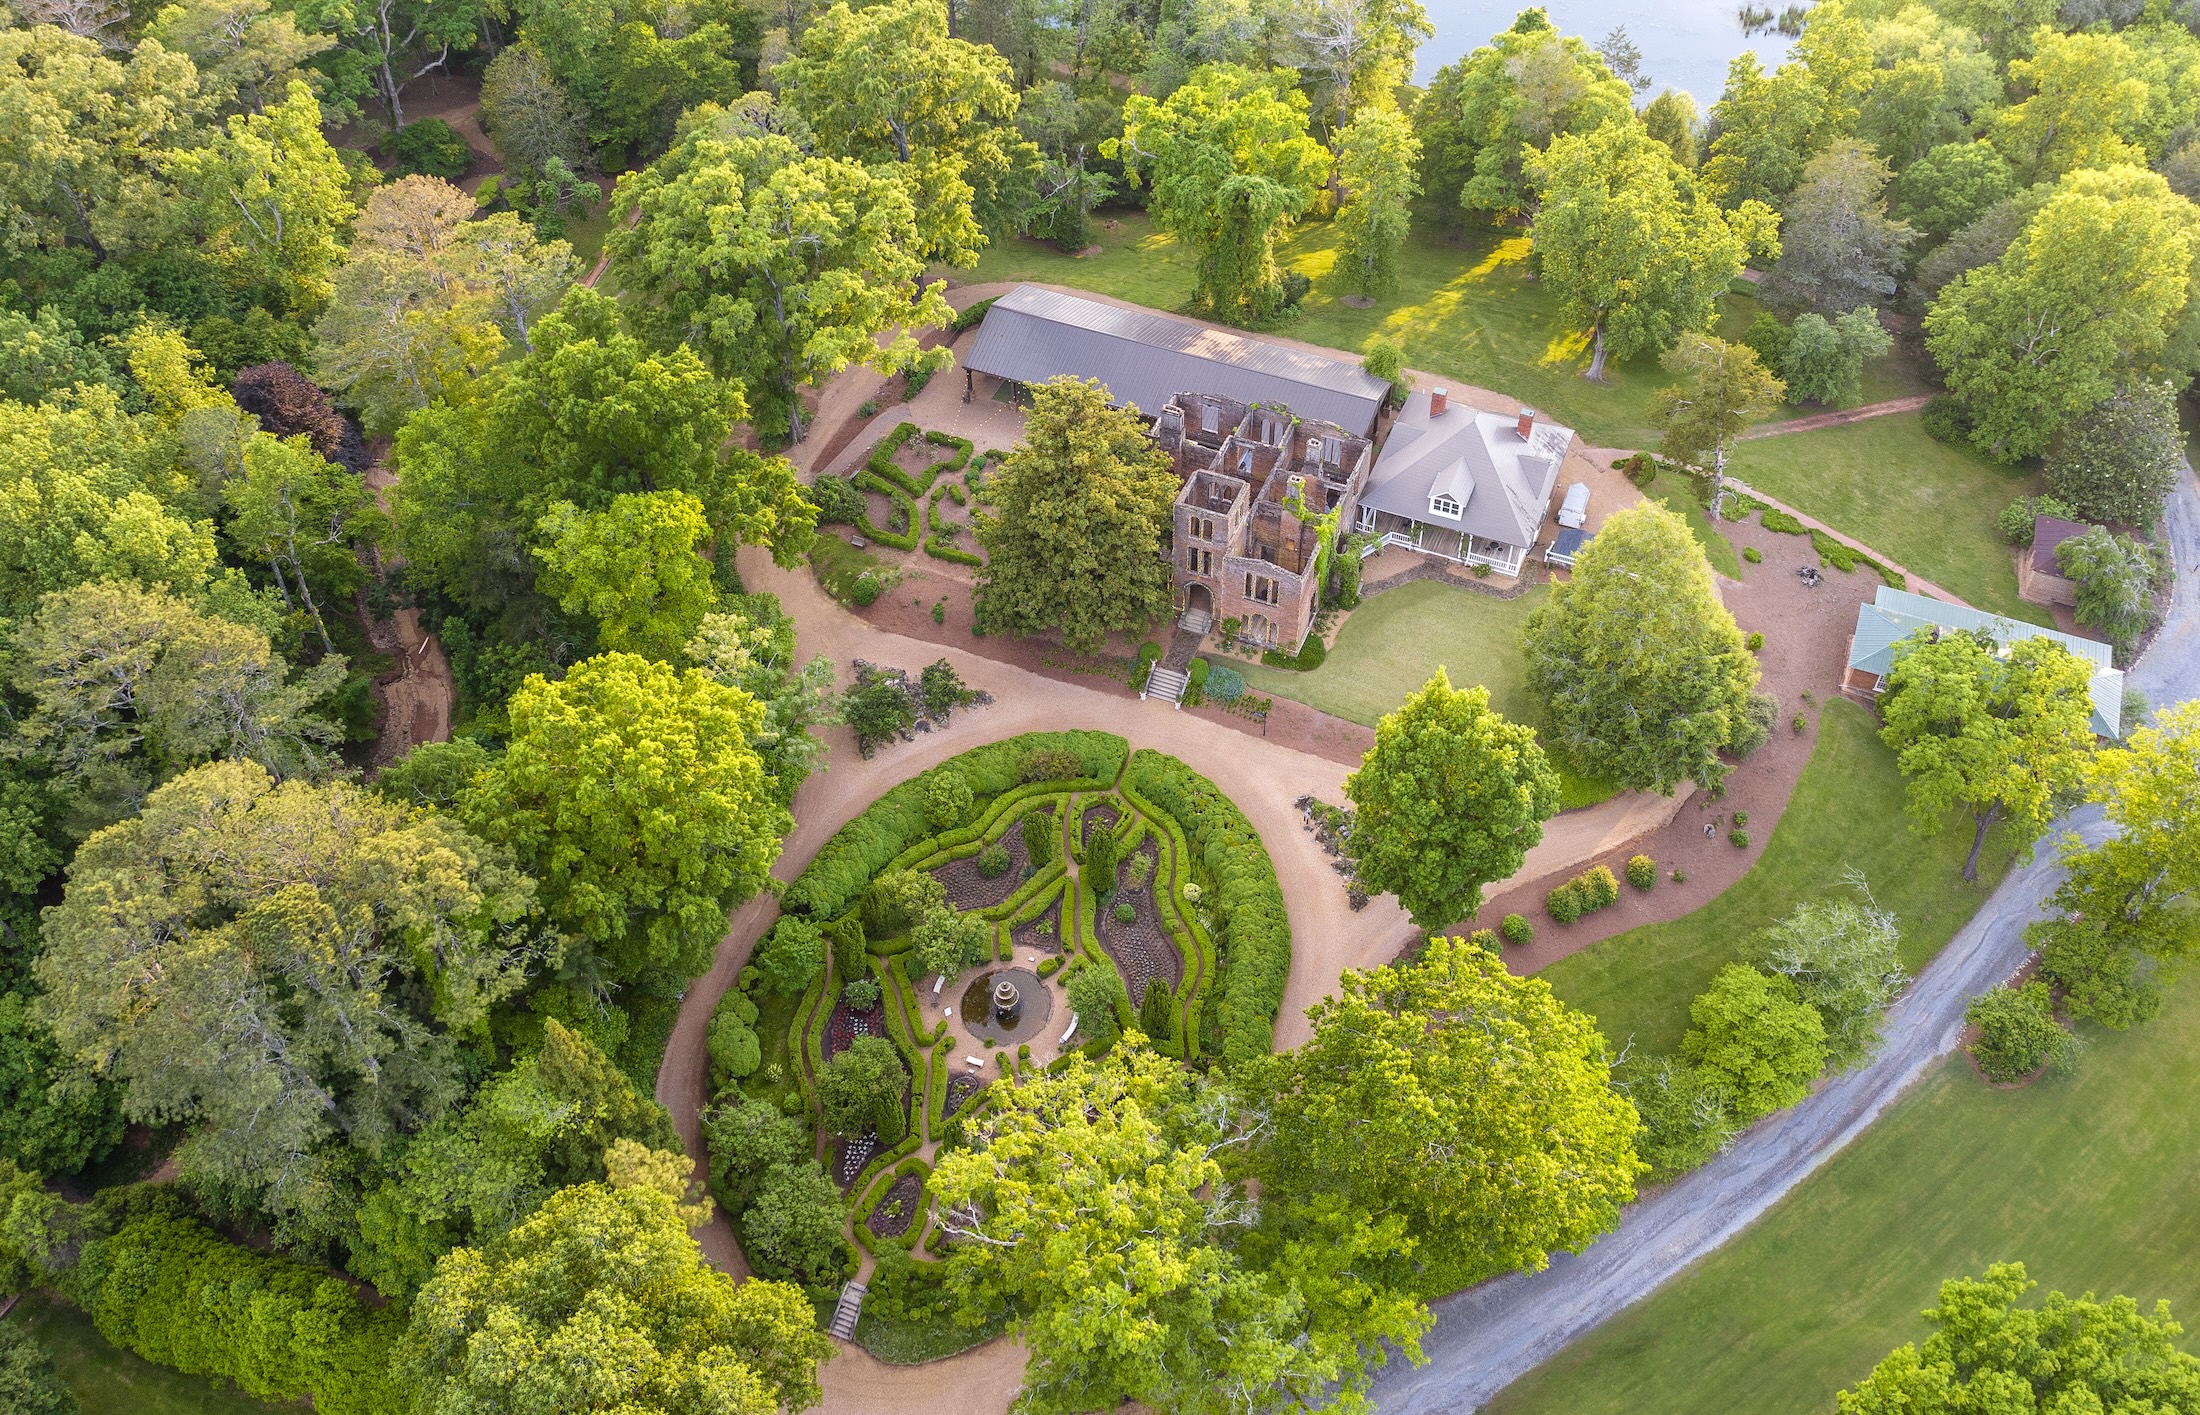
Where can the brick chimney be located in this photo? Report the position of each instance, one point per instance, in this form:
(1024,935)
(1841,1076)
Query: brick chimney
(1526,425)
(1437,400)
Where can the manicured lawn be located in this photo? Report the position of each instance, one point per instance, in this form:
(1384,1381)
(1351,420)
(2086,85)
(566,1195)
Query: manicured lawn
(1395,642)
(1926,504)
(2087,1179)
(1466,308)
(111,1381)
(1846,813)
(1678,493)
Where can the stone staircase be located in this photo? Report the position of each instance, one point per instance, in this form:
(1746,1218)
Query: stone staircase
(844,1315)
(1168,683)
(1196,622)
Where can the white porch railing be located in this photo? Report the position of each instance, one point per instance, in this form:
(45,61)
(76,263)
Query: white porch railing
(1504,559)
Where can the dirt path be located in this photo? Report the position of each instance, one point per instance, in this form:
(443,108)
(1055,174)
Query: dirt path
(417,695)
(1842,418)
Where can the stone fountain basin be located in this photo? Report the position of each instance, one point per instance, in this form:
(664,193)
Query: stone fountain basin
(1035,1004)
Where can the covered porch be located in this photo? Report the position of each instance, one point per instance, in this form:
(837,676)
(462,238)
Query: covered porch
(1456,546)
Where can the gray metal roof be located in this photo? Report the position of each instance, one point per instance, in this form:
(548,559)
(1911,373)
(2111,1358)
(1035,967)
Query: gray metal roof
(1894,615)
(1145,357)
(1507,481)
(1569,545)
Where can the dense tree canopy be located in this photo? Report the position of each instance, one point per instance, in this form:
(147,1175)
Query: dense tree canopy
(1470,1102)
(1083,515)
(1450,797)
(1641,667)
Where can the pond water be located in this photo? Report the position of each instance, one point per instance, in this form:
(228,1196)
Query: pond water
(1685,43)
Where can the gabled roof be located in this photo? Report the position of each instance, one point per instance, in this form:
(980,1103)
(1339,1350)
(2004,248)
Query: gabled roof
(2048,533)
(1511,479)
(1894,615)
(1144,357)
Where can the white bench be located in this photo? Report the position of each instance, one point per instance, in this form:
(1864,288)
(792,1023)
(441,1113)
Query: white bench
(1072,1030)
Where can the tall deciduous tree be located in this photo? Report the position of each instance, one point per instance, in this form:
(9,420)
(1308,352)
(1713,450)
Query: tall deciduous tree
(398,335)
(1139,1231)
(1482,117)
(2117,460)
(1231,166)
(781,269)
(888,86)
(602,1303)
(2083,106)
(1641,667)
(528,114)
(1842,958)
(1077,543)
(1839,250)
(1824,359)
(306,519)
(634,567)
(2094,286)
(630,790)
(1470,1102)
(1720,390)
(2002,737)
(270,200)
(1952,186)
(1360,51)
(1635,254)
(2065,1354)
(2115,576)
(864,1088)
(1380,159)
(1450,797)
(1764,126)
(2125,906)
(246,52)
(287,965)
(1755,1041)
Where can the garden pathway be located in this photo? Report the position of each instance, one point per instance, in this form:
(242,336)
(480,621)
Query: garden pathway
(1840,418)
(1489,1336)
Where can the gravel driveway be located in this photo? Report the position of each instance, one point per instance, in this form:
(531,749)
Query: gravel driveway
(1489,1336)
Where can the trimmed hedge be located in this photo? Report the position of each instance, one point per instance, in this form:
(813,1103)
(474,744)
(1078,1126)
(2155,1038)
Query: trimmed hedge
(971,318)
(179,1295)
(871,481)
(1255,937)
(871,842)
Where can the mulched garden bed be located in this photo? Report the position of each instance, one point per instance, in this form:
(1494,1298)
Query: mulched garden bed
(967,889)
(847,1024)
(898,1209)
(960,1088)
(1096,817)
(1040,935)
(1142,949)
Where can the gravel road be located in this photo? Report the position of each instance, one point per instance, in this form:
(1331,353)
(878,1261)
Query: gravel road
(1489,1336)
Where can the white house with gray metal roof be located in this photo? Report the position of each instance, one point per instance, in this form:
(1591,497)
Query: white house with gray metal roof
(1144,358)
(1467,485)
(1894,615)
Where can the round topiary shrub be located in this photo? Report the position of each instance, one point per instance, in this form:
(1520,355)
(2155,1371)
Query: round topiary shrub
(1565,903)
(1756,641)
(867,589)
(1741,818)
(1739,839)
(1642,871)
(1601,886)
(993,861)
(1125,911)
(433,148)
(2018,1033)
(1485,939)
(1517,930)
(861,995)
(1753,555)
(1680,876)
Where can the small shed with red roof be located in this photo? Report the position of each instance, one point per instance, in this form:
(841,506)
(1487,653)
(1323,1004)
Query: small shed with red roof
(2038,578)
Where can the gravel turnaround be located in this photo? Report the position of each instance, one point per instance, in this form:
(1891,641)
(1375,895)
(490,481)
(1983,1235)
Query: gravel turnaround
(1487,1337)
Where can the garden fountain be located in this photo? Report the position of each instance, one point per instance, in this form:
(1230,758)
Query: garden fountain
(1007,1003)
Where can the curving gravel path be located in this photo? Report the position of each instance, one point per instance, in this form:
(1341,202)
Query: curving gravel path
(1489,1336)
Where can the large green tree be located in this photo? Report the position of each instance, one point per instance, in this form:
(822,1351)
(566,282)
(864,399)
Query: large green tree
(2000,735)
(1720,390)
(1641,668)
(2094,287)
(1378,165)
(633,567)
(888,85)
(1484,116)
(2125,907)
(1077,542)
(2083,106)
(2117,460)
(1231,166)
(780,268)
(2115,576)
(289,967)
(1450,797)
(1119,1266)
(864,1088)
(1472,1103)
(1634,253)
(602,1303)
(307,520)
(1839,250)
(631,792)
(1988,1353)
(1754,1041)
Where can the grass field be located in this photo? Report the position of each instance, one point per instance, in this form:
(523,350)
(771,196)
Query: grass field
(1847,811)
(2087,1179)
(1887,483)
(1396,641)
(111,1381)
(1678,493)
(1466,308)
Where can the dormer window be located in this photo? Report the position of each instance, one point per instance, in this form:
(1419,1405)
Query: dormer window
(1443,504)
